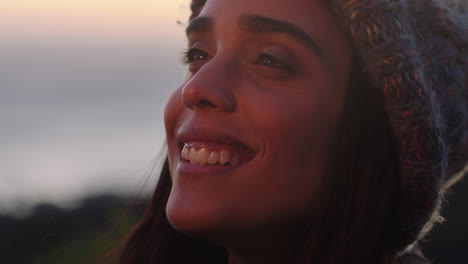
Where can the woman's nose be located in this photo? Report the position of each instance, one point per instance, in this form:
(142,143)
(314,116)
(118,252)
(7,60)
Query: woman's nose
(210,87)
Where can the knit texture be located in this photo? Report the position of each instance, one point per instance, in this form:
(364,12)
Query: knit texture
(416,52)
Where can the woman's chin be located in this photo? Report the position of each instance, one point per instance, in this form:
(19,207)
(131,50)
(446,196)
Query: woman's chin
(193,217)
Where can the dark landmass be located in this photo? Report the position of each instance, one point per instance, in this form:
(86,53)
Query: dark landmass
(52,231)
(52,235)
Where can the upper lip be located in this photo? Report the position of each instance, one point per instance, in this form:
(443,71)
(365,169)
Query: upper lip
(189,134)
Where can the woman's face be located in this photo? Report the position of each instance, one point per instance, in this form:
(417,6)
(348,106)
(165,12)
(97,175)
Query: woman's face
(264,93)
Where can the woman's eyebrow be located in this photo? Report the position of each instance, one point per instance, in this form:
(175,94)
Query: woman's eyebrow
(200,24)
(259,25)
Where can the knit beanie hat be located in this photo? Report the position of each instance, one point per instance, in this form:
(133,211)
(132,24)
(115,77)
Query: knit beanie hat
(416,53)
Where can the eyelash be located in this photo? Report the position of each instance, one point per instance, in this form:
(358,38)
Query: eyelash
(188,55)
(261,59)
(264,56)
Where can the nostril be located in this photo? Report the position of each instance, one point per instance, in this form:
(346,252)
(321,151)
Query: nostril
(202,103)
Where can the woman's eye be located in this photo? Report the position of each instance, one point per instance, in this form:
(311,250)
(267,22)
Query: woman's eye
(270,61)
(194,54)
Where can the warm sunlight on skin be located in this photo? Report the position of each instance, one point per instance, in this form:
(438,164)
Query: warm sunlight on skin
(92,15)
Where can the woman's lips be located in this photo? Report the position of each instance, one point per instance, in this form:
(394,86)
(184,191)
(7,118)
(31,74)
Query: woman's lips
(210,154)
(186,169)
(190,134)
(207,151)
(206,161)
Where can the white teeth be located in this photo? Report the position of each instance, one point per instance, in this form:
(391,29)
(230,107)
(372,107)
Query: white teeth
(224,157)
(205,157)
(213,158)
(202,156)
(193,155)
(186,153)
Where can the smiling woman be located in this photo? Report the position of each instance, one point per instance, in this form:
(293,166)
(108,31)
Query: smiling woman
(310,131)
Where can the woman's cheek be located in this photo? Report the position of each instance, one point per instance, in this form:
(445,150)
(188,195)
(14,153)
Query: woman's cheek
(297,130)
(299,124)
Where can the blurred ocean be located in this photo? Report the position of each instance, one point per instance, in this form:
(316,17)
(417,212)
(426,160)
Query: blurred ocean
(82,116)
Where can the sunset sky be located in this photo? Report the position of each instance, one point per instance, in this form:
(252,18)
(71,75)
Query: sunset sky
(83,86)
(93,16)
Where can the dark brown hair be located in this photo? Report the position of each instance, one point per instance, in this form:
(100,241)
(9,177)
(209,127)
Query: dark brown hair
(359,223)
(361,200)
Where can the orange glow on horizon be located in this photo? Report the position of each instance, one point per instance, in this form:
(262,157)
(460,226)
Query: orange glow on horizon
(93,15)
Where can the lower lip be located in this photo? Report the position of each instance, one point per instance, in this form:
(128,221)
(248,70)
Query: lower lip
(185,168)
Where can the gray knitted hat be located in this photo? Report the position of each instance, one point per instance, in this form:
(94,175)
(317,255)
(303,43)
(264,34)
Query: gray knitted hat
(416,52)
